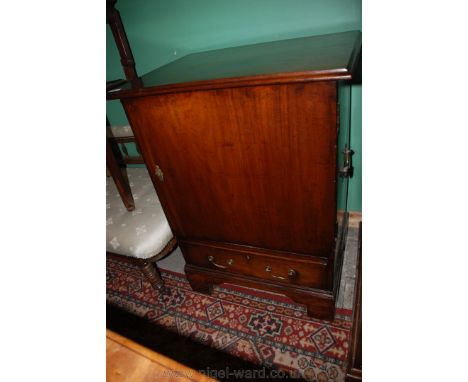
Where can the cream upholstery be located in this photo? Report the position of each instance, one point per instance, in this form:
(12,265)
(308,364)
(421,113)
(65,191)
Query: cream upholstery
(141,233)
(119,131)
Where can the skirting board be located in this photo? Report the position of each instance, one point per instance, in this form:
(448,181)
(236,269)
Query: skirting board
(355,217)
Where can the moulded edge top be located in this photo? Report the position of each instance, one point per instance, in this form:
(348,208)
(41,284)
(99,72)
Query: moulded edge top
(314,58)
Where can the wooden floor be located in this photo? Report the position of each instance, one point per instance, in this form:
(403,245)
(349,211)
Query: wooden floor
(129,361)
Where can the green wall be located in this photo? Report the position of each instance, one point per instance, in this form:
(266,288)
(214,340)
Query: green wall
(355,184)
(165,30)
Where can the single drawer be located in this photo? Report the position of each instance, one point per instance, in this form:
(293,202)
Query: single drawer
(281,267)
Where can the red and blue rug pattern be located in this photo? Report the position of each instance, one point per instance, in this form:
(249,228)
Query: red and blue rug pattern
(263,328)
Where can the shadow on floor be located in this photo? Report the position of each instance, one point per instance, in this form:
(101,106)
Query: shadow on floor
(188,352)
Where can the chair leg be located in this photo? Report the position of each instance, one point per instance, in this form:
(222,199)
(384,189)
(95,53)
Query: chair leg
(150,271)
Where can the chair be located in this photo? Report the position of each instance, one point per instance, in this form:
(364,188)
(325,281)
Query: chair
(140,235)
(137,230)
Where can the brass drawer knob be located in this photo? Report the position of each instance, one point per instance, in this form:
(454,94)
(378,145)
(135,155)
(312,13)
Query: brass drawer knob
(291,273)
(211,259)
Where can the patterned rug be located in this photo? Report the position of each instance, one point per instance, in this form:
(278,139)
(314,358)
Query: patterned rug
(263,328)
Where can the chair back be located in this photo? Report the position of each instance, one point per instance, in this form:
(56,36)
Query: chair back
(117,163)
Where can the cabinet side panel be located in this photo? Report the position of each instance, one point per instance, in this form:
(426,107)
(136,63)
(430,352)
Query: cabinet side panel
(344,99)
(343,126)
(253,166)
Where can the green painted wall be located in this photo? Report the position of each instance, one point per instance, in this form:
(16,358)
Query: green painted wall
(355,184)
(165,30)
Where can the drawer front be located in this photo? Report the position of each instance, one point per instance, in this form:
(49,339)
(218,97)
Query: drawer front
(267,265)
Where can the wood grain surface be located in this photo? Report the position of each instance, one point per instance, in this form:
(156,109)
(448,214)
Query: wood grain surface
(128,361)
(312,58)
(254,166)
(244,147)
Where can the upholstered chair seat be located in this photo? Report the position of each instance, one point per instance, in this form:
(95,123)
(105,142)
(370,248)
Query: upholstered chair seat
(120,131)
(143,232)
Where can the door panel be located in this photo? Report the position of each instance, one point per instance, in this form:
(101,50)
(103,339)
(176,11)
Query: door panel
(252,165)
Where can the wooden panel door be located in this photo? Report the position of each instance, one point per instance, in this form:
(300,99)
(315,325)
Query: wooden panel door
(251,165)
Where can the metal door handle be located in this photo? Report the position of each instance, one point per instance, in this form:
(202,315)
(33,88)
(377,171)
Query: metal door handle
(347,170)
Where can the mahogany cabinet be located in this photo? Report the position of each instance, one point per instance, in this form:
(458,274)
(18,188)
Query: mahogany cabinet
(248,151)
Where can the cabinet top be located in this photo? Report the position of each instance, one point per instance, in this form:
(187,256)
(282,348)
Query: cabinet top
(325,57)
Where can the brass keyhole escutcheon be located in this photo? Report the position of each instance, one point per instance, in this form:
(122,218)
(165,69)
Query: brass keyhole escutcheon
(159,173)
